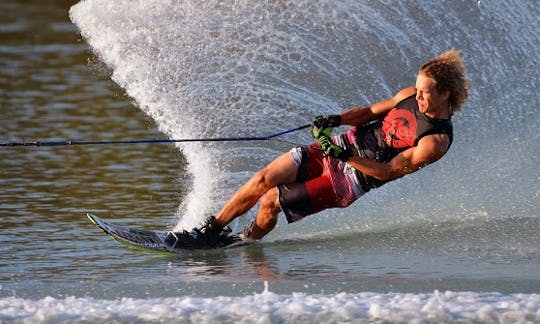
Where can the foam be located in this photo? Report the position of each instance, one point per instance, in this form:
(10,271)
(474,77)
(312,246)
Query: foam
(268,307)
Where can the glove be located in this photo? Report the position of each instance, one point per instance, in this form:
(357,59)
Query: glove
(323,126)
(338,152)
(324,142)
(328,121)
(333,150)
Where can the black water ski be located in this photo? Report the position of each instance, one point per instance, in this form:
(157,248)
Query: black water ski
(149,240)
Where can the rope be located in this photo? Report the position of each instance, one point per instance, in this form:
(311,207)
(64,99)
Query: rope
(151,141)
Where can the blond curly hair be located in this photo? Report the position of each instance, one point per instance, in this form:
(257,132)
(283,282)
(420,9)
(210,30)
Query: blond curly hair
(448,71)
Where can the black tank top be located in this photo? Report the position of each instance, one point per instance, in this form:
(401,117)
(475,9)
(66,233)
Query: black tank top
(399,130)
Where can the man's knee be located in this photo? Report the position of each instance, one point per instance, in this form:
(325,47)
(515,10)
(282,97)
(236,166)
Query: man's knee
(262,180)
(281,170)
(266,219)
(270,204)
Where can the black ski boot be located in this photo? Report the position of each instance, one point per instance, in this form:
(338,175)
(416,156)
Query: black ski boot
(240,238)
(205,237)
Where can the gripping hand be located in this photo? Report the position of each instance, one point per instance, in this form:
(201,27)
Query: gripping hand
(333,150)
(323,126)
(328,121)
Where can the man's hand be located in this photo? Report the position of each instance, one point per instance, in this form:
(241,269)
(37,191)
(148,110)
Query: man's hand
(333,150)
(323,126)
(328,121)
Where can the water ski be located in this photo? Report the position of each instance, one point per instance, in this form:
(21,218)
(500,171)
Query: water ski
(155,240)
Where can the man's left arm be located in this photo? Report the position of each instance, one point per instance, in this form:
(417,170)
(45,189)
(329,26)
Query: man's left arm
(429,149)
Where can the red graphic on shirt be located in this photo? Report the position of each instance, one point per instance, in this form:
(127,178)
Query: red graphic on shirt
(399,128)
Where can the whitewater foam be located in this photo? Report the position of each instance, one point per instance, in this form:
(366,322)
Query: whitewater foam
(268,307)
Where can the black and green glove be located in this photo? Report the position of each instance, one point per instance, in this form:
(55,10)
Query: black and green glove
(333,150)
(322,129)
(328,121)
(323,126)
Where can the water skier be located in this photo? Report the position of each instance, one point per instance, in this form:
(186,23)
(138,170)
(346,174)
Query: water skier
(387,140)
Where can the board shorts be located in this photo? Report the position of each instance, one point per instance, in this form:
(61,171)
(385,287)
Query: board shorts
(321,182)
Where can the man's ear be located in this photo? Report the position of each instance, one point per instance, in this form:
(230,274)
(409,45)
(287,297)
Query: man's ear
(445,94)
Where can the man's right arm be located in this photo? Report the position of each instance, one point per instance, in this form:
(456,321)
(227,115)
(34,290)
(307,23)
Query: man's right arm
(362,115)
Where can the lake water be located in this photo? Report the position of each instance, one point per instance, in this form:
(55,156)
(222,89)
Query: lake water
(455,242)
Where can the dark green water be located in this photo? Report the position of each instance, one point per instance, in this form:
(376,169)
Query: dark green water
(53,88)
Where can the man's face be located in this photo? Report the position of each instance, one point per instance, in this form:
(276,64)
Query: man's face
(430,100)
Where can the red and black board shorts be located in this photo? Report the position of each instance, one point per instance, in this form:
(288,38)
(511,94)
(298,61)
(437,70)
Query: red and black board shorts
(320,183)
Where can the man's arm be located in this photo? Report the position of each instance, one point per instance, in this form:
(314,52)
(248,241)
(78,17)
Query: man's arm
(429,149)
(362,115)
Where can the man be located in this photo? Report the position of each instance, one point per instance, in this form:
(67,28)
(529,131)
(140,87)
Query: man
(388,140)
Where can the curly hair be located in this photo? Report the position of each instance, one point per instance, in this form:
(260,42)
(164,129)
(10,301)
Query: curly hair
(448,71)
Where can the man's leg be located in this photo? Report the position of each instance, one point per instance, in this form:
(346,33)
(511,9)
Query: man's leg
(281,170)
(267,216)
